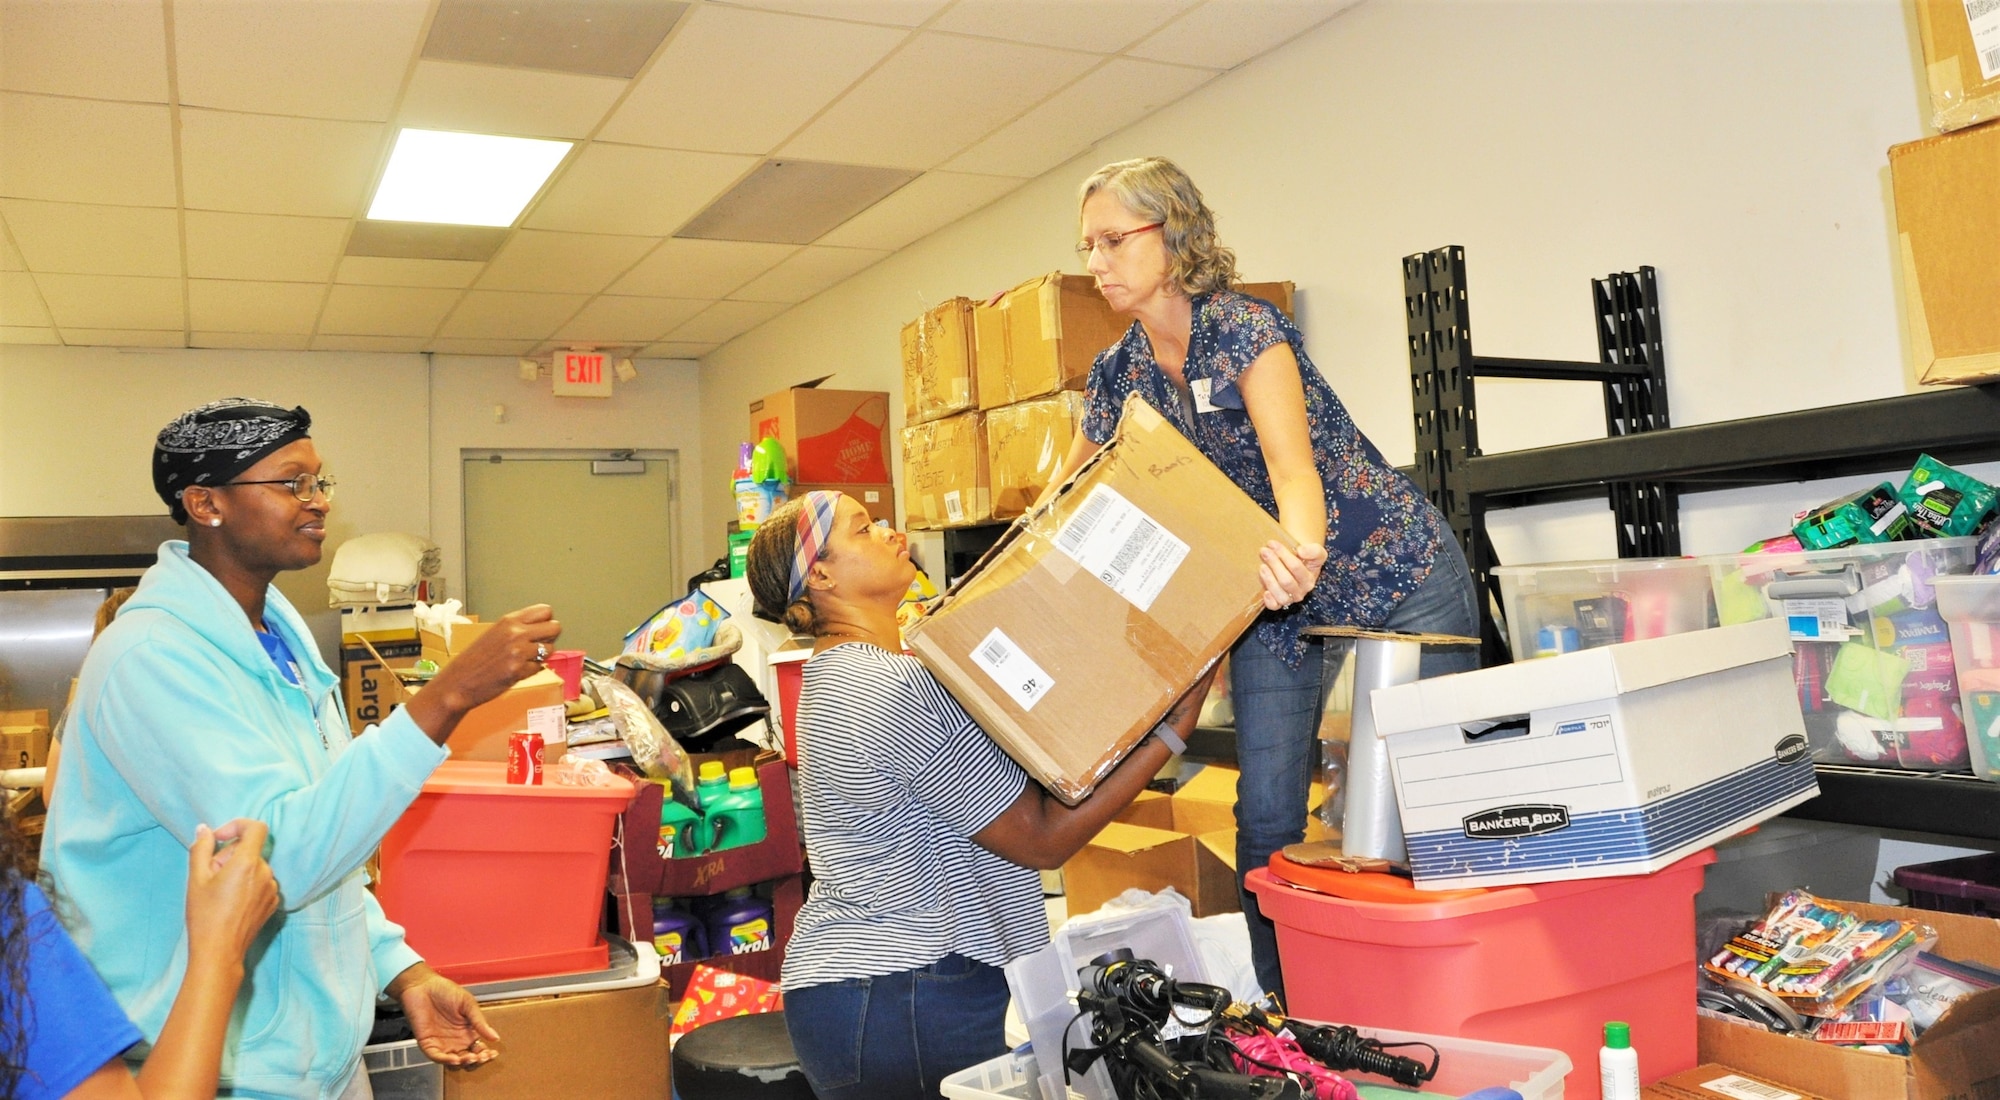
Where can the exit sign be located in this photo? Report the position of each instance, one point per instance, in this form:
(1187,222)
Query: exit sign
(582,374)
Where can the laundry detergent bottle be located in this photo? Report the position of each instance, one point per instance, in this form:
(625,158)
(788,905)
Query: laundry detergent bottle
(741,924)
(711,785)
(736,817)
(682,832)
(677,936)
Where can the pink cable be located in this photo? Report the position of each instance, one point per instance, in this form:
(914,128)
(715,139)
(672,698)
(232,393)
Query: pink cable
(1285,1053)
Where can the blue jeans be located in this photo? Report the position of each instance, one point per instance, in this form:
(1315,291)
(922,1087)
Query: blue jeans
(1277,729)
(898,1035)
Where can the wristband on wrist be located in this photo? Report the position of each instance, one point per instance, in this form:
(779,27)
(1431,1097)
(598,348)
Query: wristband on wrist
(1170,739)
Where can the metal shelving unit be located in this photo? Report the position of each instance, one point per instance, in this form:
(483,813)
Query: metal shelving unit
(1643,465)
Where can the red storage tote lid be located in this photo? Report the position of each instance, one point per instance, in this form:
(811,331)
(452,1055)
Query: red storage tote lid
(490,777)
(1386,897)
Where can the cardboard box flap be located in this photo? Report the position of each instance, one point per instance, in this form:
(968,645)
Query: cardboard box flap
(1118,836)
(814,384)
(1222,845)
(1574,678)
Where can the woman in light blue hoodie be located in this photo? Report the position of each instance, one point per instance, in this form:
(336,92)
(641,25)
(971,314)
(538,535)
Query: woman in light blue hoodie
(207,700)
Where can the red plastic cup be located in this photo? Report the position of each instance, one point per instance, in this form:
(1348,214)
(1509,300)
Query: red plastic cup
(568,664)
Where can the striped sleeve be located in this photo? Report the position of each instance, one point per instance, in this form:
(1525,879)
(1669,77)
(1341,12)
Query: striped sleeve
(971,782)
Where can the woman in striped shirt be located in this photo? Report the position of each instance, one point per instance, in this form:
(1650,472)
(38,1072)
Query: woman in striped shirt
(924,838)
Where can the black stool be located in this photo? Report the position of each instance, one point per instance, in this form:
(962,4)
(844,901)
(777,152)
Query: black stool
(741,1058)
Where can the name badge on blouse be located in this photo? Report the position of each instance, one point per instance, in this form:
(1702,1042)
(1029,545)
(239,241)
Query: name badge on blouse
(1200,387)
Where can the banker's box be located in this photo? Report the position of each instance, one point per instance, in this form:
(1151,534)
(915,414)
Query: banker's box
(1070,639)
(1958,1057)
(1947,221)
(1611,761)
(828,435)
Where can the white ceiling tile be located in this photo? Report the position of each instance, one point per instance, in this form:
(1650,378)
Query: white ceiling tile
(1100,26)
(233,305)
(610,319)
(339,342)
(105,49)
(932,98)
(676,350)
(385,310)
(572,263)
(311,58)
(10,257)
(509,314)
(112,301)
(446,345)
(96,240)
(739,81)
(900,13)
(626,189)
(20,303)
(1102,103)
(726,321)
(262,164)
(450,95)
(250,341)
(700,269)
(924,205)
(806,273)
(22,334)
(124,338)
(79,150)
(1222,34)
(271,247)
(387,271)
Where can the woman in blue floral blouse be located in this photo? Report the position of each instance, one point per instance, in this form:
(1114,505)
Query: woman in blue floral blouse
(1231,372)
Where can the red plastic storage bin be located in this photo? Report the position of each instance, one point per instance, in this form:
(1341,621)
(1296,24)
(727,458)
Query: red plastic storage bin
(1543,965)
(1968,884)
(494,881)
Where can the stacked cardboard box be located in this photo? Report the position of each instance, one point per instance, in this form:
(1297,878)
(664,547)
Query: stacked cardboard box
(938,375)
(24,738)
(945,473)
(1961,61)
(833,439)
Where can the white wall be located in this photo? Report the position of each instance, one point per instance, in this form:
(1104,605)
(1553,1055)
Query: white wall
(77,428)
(1737,147)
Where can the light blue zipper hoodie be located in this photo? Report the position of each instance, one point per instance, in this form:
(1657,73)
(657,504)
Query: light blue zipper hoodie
(180,719)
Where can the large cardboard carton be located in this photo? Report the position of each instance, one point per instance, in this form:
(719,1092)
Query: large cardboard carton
(1714,1082)
(532,705)
(1611,761)
(1074,634)
(944,474)
(368,683)
(1025,447)
(1961,60)
(938,380)
(989,354)
(828,435)
(575,1044)
(1946,223)
(880,500)
(1958,1057)
(24,738)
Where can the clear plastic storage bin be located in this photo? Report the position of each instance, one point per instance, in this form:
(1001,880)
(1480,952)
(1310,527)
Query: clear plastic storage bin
(1872,656)
(1565,607)
(1972,606)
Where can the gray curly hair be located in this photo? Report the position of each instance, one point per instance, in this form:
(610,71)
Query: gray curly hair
(1156,189)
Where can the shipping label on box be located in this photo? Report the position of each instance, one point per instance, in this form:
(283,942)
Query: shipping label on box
(828,435)
(1611,761)
(1068,665)
(938,382)
(1947,219)
(1025,447)
(944,473)
(1961,40)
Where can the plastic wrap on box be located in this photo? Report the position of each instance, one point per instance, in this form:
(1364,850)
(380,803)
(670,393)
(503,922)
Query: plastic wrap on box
(1025,447)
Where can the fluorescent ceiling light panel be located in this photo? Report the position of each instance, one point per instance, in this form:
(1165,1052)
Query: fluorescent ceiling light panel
(463,179)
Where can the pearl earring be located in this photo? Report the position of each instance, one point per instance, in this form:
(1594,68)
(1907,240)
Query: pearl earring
(215,523)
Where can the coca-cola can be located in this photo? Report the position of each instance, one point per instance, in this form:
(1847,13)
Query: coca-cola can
(524,759)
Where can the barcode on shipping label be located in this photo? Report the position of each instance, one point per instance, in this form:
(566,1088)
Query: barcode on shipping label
(548,721)
(954,509)
(1817,619)
(1017,674)
(1122,546)
(1743,1088)
(1983,18)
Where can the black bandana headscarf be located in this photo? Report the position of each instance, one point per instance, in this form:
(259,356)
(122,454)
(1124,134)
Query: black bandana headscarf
(216,442)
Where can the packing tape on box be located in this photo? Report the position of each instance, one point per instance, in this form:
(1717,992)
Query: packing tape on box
(1049,298)
(1164,653)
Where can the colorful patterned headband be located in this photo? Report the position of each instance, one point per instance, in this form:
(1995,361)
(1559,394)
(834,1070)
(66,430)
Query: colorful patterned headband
(815,524)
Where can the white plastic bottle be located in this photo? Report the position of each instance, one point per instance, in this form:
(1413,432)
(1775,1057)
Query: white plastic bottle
(1618,1063)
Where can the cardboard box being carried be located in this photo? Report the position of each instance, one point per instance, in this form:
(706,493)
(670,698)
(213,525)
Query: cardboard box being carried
(828,435)
(938,363)
(575,1044)
(1611,761)
(24,738)
(1947,220)
(1713,1082)
(1961,60)
(1025,447)
(944,474)
(1957,1057)
(1077,631)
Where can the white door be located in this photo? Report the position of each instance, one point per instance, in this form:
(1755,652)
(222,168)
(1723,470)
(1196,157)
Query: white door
(590,534)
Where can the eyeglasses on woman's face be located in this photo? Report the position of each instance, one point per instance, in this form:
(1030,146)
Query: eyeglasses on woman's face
(1109,243)
(304,486)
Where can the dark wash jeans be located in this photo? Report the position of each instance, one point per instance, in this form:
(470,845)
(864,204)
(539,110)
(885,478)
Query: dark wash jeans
(898,1035)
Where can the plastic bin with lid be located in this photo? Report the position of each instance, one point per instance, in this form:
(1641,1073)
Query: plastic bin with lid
(1971,605)
(494,880)
(1967,884)
(1872,656)
(1568,606)
(1542,965)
